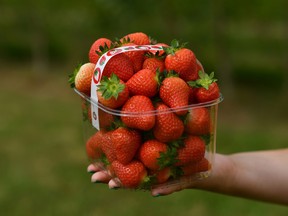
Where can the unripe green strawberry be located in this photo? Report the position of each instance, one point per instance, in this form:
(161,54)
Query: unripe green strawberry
(168,126)
(131,175)
(132,113)
(174,92)
(193,151)
(125,143)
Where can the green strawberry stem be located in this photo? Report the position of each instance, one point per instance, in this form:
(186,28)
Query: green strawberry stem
(175,46)
(72,76)
(204,80)
(110,87)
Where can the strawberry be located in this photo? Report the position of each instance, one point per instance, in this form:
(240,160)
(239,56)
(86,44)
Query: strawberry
(193,151)
(197,121)
(150,153)
(161,176)
(93,145)
(131,175)
(206,87)
(182,60)
(159,52)
(97,47)
(112,92)
(81,78)
(168,125)
(201,166)
(107,147)
(121,65)
(144,82)
(138,38)
(132,113)
(174,92)
(137,57)
(125,143)
(105,119)
(154,63)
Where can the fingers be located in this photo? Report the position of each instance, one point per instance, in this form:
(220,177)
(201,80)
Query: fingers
(102,176)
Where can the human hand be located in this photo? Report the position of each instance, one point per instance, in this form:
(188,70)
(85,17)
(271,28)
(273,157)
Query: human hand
(220,166)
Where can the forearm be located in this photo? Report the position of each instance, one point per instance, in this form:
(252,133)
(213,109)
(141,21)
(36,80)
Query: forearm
(255,175)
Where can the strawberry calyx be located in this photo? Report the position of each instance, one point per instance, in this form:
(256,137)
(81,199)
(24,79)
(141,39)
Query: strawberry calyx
(111,86)
(175,46)
(154,55)
(104,49)
(72,76)
(204,80)
(167,158)
(146,183)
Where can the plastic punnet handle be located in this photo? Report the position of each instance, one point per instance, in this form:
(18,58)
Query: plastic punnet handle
(98,71)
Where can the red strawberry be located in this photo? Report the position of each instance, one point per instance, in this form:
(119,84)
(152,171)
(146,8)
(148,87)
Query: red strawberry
(150,153)
(174,92)
(93,146)
(181,60)
(125,143)
(138,38)
(197,121)
(137,57)
(81,78)
(131,175)
(95,49)
(144,82)
(201,166)
(206,87)
(168,125)
(112,92)
(121,65)
(132,113)
(105,119)
(154,63)
(107,147)
(193,151)
(159,52)
(161,175)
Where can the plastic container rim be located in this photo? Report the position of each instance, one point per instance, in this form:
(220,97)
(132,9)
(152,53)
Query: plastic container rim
(147,113)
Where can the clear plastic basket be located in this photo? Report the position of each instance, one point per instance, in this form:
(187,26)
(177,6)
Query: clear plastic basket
(196,170)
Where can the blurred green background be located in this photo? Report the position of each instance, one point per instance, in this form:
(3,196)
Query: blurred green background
(42,158)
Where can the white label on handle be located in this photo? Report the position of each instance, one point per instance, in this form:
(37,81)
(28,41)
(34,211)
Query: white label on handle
(98,71)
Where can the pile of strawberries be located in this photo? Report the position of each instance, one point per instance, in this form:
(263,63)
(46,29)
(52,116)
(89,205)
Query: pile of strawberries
(159,134)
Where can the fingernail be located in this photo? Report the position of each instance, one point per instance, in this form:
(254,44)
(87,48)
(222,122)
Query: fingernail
(91,171)
(96,181)
(115,188)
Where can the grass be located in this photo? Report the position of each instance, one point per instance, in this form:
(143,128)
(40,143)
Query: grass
(43,163)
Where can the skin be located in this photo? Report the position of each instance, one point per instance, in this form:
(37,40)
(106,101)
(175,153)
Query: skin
(260,175)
